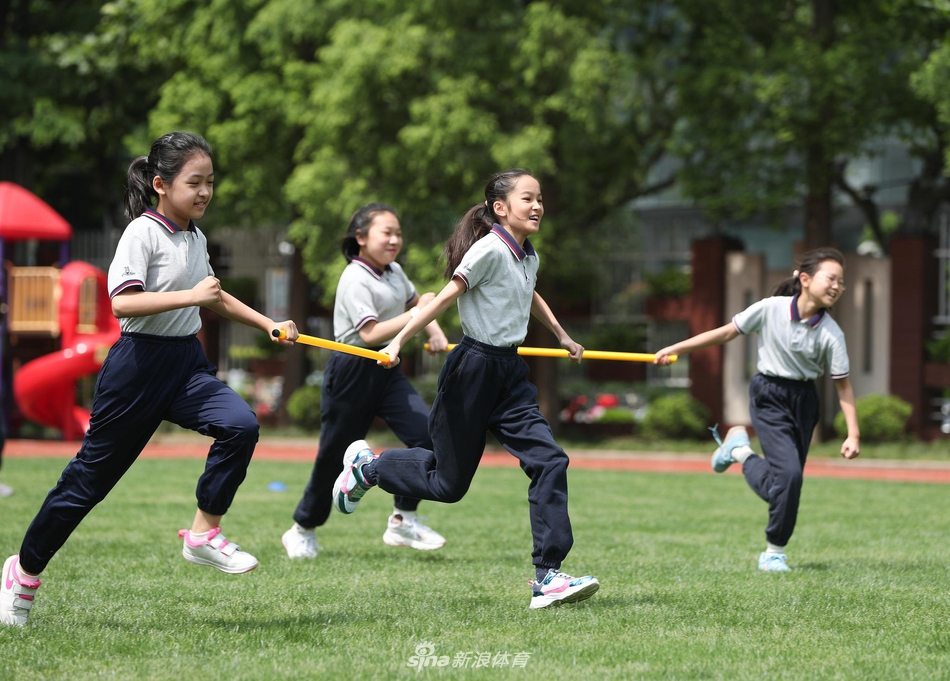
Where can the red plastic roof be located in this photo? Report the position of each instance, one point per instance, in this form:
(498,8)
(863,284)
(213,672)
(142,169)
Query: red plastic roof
(24,215)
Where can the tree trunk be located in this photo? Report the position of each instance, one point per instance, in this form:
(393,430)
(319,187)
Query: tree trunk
(819,168)
(544,374)
(295,367)
(818,214)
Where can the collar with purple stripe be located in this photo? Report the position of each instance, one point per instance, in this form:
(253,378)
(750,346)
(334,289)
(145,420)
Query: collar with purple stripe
(369,267)
(795,317)
(516,250)
(166,223)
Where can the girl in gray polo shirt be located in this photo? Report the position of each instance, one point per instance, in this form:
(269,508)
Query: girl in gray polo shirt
(374,300)
(157,370)
(483,385)
(797,340)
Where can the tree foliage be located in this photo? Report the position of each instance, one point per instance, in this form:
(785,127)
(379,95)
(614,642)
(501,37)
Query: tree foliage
(71,91)
(316,109)
(778,97)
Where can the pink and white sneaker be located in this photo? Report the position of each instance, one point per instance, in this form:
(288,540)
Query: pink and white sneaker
(350,485)
(557,588)
(218,552)
(16,597)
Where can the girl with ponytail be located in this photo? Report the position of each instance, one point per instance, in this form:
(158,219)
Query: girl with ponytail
(374,300)
(159,279)
(483,385)
(798,339)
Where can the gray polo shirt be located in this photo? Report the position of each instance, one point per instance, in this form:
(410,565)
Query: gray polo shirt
(499,278)
(367,294)
(792,347)
(157,255)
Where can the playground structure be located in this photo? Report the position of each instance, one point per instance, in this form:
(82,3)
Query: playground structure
(68,305)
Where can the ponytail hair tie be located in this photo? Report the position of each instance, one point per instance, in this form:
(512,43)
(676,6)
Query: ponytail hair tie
(795,274)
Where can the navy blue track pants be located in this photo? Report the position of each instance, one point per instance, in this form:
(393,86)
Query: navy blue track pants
(143,381)
(485,388)
(784,414)
(356,390)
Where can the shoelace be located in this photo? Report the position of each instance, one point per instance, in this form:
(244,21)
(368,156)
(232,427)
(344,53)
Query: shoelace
(715,433)
(417,521)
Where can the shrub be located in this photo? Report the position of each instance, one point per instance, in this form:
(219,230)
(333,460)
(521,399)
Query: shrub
(304,407)
(882,418)
(427,385)
(678,416)
(615,337)
(670,282)
(939,350)
(617,415)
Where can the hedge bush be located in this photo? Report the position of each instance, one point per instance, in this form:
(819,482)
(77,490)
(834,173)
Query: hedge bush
(679,416)
(882,418)
(617,415)
(939,350)
(304,407)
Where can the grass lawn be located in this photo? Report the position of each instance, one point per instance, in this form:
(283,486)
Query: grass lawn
(912,450)
(675,554)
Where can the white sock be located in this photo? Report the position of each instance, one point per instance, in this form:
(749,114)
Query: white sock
(742,453)
(773,549)
(301,529)
(406,515)
(195,537)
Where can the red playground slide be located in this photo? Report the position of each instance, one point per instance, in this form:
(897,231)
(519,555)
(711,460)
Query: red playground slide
(45,389)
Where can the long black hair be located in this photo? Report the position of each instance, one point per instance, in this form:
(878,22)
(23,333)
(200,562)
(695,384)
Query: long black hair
(165,159)
(478,221)
(809,265)
(359,226)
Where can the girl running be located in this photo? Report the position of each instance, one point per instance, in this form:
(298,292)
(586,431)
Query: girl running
(156,371)
(370,308)
(797,339)
(483,385)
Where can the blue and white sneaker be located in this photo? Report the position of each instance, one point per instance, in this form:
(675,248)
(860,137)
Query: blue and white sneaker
(736,437)
(773,562)
(557,588)
(350,486)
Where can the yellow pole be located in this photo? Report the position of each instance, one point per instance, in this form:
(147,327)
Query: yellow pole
(588,354)
(333,345)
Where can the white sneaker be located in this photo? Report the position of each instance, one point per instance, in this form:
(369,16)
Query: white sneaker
(217,552)
(300,542)
(773,562)
(557,588)
(350,486)
(5,490)
(16,597)
(406,530)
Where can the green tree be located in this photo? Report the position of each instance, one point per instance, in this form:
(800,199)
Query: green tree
(71,92)
(314,110)
(779,97)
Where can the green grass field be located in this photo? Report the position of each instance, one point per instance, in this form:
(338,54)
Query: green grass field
(675,554)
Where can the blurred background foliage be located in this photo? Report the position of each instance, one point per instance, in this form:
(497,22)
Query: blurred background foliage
(317,108)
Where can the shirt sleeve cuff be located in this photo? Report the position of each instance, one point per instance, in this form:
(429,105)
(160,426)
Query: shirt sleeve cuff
(124,285)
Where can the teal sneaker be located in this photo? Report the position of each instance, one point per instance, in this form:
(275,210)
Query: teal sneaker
(722,457)
(350,486)
(773,562)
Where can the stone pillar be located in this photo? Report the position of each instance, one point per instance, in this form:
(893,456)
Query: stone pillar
(708,311)
(914,303)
